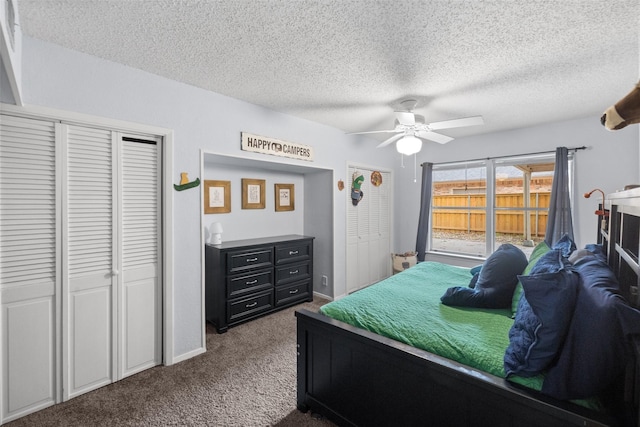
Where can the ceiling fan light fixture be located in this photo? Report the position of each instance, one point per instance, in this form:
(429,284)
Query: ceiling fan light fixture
(409,145)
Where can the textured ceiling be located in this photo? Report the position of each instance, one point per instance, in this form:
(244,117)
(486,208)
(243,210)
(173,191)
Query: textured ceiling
(348,63)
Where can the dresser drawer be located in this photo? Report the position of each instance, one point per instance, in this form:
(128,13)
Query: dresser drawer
(292,273)
(291,293)
(293,252)
(249,282)
(244,260)
(246,307)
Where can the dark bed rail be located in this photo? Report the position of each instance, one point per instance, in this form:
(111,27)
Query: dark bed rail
(355,377)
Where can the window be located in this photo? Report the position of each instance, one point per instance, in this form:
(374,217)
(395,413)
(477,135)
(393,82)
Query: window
(477,206)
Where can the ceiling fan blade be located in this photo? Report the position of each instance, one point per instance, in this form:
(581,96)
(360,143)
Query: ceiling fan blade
(406,118)
(433,136)
(457,123)
(372,131)
(390,140)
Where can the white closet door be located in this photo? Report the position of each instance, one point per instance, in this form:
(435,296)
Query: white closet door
(379,230)
(368,232)
(140,316)
(88,283)
(352,239)
(364,231)
(28,266)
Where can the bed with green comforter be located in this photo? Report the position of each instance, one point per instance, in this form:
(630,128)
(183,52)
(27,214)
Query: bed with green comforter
(406,307)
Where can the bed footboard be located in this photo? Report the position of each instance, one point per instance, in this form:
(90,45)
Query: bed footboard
(357,378)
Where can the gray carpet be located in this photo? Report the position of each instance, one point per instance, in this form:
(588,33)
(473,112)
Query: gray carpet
(247,377)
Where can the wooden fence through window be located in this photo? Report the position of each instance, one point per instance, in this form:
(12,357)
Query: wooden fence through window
(466,216)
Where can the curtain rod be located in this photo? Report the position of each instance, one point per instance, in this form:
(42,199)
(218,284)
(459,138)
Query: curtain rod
(506,157)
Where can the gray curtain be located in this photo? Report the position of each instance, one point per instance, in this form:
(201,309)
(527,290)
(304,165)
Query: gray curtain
(559,221)
(425,206)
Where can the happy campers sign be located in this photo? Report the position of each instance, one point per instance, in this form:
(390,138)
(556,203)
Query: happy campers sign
(275,147)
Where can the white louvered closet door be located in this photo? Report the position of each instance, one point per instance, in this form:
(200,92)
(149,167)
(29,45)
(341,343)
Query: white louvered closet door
(140,296)
(111,286)
(379,230)
(28,268)
(368,232)
(353,237)
(90,275)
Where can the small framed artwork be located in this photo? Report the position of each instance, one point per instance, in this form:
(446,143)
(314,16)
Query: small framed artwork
(253,193)
(285,197)
(217,197)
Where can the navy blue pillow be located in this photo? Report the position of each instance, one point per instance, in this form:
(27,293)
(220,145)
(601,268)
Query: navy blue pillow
(543,316)
(594,353)
(475,270)
(474,280)
(496,281)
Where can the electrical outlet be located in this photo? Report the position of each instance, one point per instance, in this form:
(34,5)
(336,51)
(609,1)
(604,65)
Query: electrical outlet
(325,279)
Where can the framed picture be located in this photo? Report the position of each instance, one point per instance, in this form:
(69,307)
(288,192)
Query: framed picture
(285,197)
(253,193)
(217,197)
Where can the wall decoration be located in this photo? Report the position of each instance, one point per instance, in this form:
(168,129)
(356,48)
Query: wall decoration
(376,178)
(625,112)
(253,193)
(356,193)
(275,147)
(341,185)
(285,197)
(184,182)
(217,197)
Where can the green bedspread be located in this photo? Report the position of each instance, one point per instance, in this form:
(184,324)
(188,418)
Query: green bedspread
(406,307)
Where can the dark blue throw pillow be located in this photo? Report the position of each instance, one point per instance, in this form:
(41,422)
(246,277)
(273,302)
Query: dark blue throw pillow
(495,283)
(594,353)
(543,316)
(475,270)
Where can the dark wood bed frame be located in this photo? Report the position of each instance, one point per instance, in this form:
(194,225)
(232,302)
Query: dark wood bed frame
(358,378)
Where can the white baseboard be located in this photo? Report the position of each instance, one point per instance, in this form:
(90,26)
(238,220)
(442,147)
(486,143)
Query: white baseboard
(188,355)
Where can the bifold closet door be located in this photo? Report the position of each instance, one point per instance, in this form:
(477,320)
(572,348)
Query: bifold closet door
(140,293)
(89,272)
(368,232)
(380,230)
(80,251)
(29,266)
(111,286)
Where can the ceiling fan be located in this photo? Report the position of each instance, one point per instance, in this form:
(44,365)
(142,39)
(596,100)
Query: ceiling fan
(411,129)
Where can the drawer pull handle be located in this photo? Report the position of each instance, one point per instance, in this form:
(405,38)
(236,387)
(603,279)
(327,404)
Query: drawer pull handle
(294,272)
(295,291)
(252,304)
(253,282)
(252,259)
(293,252)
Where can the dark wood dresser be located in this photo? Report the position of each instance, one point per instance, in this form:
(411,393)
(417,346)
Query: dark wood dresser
(246,279)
